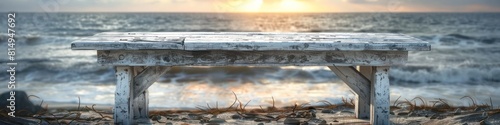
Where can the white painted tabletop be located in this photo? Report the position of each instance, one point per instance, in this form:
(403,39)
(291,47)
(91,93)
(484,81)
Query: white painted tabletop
(250,41)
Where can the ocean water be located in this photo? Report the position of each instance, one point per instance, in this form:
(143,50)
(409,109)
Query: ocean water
(464,61)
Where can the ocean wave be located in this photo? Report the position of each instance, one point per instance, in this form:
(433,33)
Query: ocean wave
(446,75)
(29,39)
(482,39)
(57,71)
(458,41)
(460,36)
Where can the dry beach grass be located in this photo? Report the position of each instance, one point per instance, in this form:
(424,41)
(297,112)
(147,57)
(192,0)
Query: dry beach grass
(402,112)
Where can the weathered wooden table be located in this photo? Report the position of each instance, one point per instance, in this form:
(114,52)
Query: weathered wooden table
(140,58)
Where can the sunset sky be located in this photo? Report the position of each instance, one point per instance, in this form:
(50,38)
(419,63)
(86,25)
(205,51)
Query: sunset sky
(250,5)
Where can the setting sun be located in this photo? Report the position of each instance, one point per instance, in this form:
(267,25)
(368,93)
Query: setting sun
(263,6)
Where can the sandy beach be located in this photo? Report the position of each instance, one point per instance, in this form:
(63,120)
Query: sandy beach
(402,113)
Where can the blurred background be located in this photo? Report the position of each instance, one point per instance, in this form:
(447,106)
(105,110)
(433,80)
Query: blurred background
(464,60)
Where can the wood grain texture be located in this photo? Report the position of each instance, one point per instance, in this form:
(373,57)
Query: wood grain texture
(140,106)
(366,71)
(256,58)
(251,41)
(299,42)
(362,107)
(380,95)
(128,43)
(123,113)
(140,101)
(359,84)
(147,77)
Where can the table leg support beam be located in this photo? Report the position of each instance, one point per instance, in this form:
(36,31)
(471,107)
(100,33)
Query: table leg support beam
(359,84)
(380,95)
(362,106)
(140,103)
(147,77)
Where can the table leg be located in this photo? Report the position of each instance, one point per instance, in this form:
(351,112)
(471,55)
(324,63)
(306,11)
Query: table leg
(380,96)
(123,113)
(131,97)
